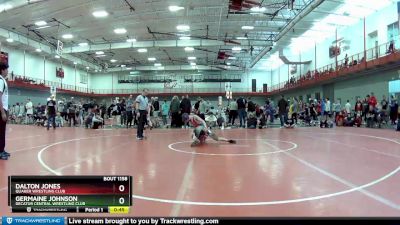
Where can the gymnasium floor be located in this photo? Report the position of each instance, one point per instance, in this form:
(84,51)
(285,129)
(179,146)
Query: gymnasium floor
(270,172)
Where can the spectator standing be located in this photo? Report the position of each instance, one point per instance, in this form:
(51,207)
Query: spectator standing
(271,110)
(283,109)
(203,109)
(3,110)
(233,111)
(394,107)
(51,109)
(29,112)
(174,108)
(384,105)
(156,107)
(241,102)
(365,107)
(372,100)
(186,107)
(347,107)
(328,107)
(197,106)
(129,111)
(18,117)
(295,109)
(358,108)
(165,112)
(123,112)
(21,113)
(71,112)
(336,108)
(323,107)
(103,111)
(142,103)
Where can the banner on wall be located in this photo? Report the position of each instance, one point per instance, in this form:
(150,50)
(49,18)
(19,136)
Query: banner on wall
(60,73)
(4,57)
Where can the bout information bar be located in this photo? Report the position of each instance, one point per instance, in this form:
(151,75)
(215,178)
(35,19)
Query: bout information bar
(87,194)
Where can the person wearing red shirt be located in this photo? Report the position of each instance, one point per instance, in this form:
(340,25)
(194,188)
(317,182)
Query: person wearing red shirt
(319,108)
(372,100)
(340,118)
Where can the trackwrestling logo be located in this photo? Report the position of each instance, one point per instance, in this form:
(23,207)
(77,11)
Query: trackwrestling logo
(33,220)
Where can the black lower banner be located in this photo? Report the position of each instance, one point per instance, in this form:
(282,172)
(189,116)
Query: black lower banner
(205,221)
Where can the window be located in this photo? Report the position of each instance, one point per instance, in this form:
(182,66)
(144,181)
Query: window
(394,86)
(83,78)
(393,31)
(372,39)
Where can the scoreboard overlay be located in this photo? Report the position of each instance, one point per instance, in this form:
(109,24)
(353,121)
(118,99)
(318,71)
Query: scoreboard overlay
(87,194)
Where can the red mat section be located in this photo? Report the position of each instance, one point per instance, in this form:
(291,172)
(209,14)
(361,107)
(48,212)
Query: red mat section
(270,172)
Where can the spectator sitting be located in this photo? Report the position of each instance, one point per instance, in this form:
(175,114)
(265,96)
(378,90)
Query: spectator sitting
(326,124)
(59,120)
(41,120)
(89,120)
(263,121)
(358,120)
(252,121)
(340,119)
(289,123)
(97,121)
(348,121)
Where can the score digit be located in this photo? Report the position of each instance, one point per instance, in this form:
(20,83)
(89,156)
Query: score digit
(121,188)
(121,200)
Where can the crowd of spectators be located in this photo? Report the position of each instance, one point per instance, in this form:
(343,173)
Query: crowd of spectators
(238,112)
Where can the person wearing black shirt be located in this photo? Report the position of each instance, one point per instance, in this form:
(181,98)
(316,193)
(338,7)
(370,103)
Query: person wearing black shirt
(241,102)
(51,112)
(86,106)
(122,106)
(186,107)
(197,106)
(71,112)
(251,107)
(307,115)
(282,105)
(289,122)
(103,111)
(371,117)
(156,106)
